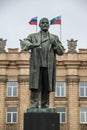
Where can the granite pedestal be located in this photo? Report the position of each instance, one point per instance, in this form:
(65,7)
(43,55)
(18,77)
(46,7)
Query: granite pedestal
(41,121)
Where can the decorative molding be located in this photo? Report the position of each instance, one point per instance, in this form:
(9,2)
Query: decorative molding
(2,45)
(22,78)
(63,126)
(82,103)
(11,127)
(72,79)
(12,99)
(11,103)
(3,78)
(83,126)
(72,46)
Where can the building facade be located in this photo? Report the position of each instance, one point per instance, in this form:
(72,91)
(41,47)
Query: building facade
(69,98)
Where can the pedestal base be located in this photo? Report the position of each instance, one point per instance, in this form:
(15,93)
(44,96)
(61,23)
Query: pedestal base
(41,121)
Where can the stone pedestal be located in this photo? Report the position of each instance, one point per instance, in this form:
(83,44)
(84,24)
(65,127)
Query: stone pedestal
(41,121)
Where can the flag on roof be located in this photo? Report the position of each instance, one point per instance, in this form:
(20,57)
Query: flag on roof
(56,20)
(33,21)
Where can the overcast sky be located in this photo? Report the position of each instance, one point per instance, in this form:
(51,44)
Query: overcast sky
(15,15)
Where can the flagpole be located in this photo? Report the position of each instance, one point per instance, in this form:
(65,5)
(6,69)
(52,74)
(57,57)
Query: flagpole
(60,29)
(57,20)
(36,25)
(60,32)
(33,21)
(36,28)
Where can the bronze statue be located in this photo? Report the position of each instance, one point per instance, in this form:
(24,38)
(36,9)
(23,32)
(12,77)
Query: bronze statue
(44,46)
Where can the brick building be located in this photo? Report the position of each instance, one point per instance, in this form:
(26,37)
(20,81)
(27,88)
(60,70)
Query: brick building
(69,98)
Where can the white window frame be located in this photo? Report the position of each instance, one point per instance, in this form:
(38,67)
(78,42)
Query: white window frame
(84,115)
(12,89)
(84,88)
(61,113)
(12,113)
(60,89)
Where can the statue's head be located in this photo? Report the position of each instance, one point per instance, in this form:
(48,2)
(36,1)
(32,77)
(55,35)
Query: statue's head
(44,24)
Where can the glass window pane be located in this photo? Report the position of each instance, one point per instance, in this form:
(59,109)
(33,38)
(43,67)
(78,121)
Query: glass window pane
(12,89)
(62,91)
(57,91)
(15,84)
(85,83)
(60,109)
(81,83)
(57,83)
(8,117)
(62,112)
(9,91)
(81,91)
(86,117)
(14,117)
(15,91)
(82,117)
(61,83)
(86,91)
(63,117)
(84,109)
(12,109)
(8,83)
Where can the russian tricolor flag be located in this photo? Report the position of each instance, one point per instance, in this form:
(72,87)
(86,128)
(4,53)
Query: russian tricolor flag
(56,20)
(33,21)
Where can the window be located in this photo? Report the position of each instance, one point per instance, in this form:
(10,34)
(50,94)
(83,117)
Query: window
(83,115)
(12,115)
(83,89)
(62,112)
(60,90)
(12,89)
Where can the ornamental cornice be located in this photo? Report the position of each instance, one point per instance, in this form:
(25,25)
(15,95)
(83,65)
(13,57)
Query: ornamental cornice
(2,45)
(11,102)
(72,44)
(82,103)
(68,63)
(72,79)
(83,126)
(23,78)
(3,78)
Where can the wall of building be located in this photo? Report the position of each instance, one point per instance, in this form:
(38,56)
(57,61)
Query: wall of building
(71,68)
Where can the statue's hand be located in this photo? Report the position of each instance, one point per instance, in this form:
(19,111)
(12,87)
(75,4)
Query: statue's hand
(22,44)
(37,45)
(31,46)
(54,43)
(25,46)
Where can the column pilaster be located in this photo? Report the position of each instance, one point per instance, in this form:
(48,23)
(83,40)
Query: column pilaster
(73,94)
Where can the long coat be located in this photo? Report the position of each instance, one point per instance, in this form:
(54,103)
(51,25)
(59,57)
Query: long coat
(55,47)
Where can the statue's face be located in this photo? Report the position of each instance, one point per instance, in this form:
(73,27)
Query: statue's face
(44,24)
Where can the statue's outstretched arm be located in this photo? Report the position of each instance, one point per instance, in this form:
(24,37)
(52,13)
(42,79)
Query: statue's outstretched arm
(27,44)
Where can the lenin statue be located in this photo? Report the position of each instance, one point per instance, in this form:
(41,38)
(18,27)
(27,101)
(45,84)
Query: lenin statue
(44,46)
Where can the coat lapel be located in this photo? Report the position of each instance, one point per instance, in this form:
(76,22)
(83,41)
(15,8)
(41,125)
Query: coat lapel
(45,39)
(40,39)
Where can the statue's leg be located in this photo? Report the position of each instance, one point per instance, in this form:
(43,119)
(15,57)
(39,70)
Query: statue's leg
(34,98)
(44,89)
